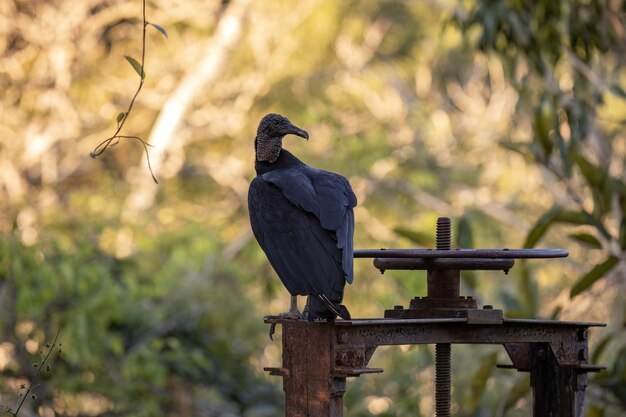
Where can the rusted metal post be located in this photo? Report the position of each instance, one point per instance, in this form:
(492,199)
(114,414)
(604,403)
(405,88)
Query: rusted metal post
(557,391)
(311,389)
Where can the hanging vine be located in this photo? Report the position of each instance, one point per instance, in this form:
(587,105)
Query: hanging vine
(121,118)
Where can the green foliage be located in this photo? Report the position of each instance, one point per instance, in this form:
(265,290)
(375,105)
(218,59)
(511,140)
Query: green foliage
(562,40)
(572,68)
(140,339)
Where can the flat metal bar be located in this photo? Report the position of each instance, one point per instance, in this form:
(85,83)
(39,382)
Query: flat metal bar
(405,332)
(382,321)
(462,253)
(435,264)
(345,371)
(532,322)
(585,367)
(540,322)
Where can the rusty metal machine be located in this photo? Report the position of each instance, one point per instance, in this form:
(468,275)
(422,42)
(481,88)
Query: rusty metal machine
(318,357)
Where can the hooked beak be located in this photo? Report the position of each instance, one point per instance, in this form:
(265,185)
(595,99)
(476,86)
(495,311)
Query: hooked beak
(298,132)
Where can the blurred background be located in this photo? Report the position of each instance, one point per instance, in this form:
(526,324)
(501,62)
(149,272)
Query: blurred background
(506,117)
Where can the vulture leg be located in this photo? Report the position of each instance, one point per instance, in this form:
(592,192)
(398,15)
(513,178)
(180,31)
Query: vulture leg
(305,312)
(292,314)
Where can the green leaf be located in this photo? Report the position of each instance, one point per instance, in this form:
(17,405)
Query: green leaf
(478,383)
(565,151)
(464,236)
(594,175)
(574,217)
(542,226)
(582,218)
(587,240)
(528,293)
(523,149)
(559,215)
(618,91)
(159,28)
(556,311)
(120,117)
(545,119)
(602,197)
(592,276)
(518,391)
(136,65)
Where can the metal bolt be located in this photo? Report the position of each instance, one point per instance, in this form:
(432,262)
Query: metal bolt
(443,351)
(444,241)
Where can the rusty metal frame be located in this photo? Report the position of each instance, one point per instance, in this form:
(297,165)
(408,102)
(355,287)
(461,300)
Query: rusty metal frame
(318,357)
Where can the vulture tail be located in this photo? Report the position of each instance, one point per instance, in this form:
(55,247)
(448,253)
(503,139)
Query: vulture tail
(336,309)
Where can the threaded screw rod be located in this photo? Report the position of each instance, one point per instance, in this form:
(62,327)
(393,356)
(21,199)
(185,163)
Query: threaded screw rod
(444,234)
(443,379)
(443,351)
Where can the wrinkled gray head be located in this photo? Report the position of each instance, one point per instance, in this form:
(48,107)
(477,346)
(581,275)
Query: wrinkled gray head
(269,136)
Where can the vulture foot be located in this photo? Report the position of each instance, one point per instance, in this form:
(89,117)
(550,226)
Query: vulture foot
(292,314)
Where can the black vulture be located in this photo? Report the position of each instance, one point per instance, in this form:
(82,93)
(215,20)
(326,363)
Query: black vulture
(303,219)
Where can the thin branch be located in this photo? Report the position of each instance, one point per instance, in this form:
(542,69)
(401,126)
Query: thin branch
(39,366)
(585,70)
(114,139)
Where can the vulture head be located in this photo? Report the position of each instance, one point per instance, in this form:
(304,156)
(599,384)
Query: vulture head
(269,136)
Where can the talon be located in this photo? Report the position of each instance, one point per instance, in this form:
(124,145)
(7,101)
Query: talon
(291,315)
(272,331)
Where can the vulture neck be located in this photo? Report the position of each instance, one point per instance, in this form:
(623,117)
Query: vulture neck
(268,149)
(285,160)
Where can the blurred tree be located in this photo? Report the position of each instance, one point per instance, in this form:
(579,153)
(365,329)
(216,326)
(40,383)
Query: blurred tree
(159,290)
(566,60)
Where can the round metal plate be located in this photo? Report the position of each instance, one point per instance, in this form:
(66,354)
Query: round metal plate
(462,253)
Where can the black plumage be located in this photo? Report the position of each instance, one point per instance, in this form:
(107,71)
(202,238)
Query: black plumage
(303,219)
